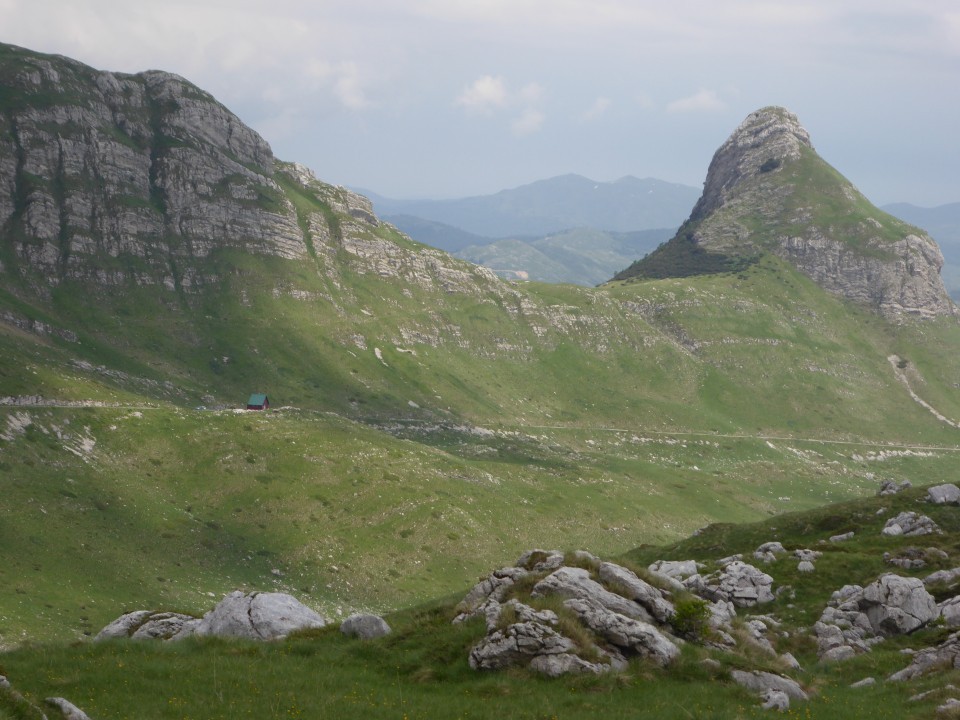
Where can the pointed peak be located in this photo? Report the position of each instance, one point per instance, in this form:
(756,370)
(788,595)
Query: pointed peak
(766,140)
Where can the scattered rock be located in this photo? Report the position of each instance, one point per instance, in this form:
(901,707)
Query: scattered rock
(757,631)
(838,654)
(67,709)
(518,643)
(775,700)
(621,623)
(768,551)
(949,610)
(897,605)
(807,555)
(948,494)
(760,682)
(924,695)
(842,537)
(950,706)
(737,582)
(943,577)
(4,683)
(258,616)
(148,625)
(789,661)
(566,664)
(910,558)
(805,566)
(889,487)
(945,655)
(909,523)
(365,626)
(866,682)
(856,618)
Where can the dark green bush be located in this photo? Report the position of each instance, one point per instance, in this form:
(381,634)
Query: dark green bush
(690,617)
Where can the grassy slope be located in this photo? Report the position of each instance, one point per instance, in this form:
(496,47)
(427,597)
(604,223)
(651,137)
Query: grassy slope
(421,671)
(724,401)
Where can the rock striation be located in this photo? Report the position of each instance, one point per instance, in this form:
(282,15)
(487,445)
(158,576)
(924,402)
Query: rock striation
(767,191)
(107,176)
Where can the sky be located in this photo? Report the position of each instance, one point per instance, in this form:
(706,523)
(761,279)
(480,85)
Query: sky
(451,98)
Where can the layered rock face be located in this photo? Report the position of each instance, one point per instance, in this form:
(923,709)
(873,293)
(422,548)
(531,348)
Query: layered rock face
(113,176)
(767,190)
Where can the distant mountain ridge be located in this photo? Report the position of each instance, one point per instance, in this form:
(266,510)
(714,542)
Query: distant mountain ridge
(556,204)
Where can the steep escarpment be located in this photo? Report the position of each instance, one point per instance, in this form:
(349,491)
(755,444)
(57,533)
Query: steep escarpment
(768,191)
(108,177)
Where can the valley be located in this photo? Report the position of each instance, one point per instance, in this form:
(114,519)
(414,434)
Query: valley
(757,378)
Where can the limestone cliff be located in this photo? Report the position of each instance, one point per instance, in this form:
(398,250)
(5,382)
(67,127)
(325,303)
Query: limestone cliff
(105,176)
(767,190)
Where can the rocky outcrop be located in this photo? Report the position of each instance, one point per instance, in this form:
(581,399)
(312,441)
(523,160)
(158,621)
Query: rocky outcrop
(253,616)
(909,523)
(148,625)
(621,614)
(858,617)
(947,494)
(737,582)
(767,191)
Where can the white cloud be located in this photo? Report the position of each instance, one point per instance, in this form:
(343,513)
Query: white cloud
(531,94)
(597,110)
(485,94)
(703,101)
(530,121)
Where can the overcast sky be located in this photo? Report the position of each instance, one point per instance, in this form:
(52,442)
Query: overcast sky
(447,98)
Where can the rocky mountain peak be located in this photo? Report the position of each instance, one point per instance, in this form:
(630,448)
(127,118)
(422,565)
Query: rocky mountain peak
(768,191)
(762,143)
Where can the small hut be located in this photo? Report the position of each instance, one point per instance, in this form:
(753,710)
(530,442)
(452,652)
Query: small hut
(258,401)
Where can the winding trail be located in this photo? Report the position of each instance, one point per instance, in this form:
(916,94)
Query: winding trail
(894,361)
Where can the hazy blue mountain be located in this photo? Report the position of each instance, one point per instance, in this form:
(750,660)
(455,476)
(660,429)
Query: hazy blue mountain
(556,204)
(436,234)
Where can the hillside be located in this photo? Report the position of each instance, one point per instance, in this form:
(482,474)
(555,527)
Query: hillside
(581,257)
(159,265)
(423,668)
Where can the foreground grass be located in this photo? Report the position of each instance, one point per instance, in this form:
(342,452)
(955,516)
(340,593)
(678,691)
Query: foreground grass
(421,670)
(418,672)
